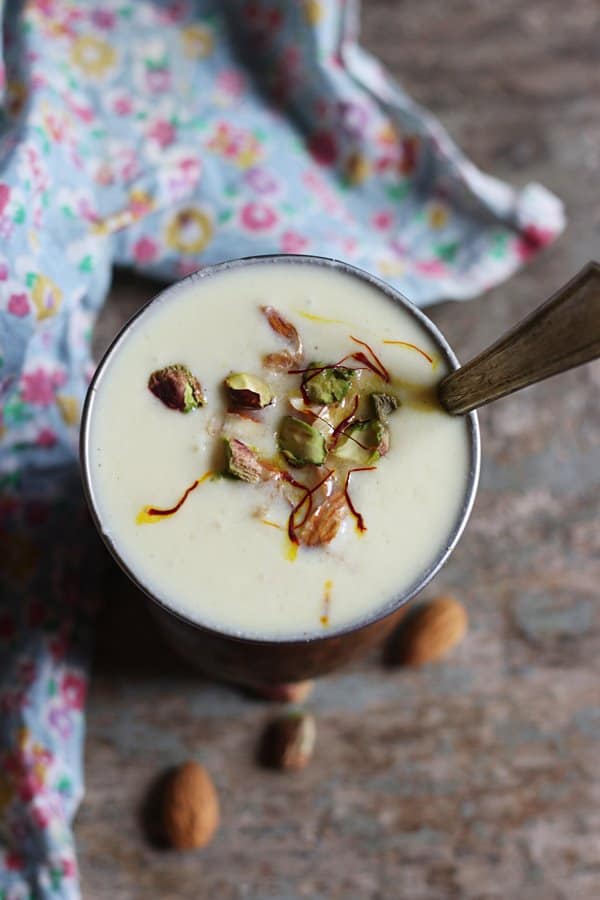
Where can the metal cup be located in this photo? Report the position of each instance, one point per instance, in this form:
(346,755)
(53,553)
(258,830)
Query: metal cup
(259,663)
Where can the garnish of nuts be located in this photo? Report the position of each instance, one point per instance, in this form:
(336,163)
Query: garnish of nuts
(190,807)
(177,388)
(341,422)
(289,741)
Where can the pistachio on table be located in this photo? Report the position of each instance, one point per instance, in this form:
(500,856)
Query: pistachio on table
(289,741)
(177,388)
(248,391)
(300,443)
(326,385)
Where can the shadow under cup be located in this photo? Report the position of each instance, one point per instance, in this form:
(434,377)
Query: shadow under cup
(258,663)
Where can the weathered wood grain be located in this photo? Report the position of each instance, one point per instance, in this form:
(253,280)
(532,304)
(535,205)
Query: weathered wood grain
(478,778)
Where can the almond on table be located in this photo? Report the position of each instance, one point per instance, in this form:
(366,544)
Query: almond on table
(190,807)
(428,632)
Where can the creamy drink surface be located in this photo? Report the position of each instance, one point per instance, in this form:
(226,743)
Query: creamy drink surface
(224,558)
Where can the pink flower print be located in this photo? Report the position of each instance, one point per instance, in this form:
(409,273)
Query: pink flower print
(323,148)
(38,81)
(163,132)
(18,305)
(382,220)
(85,113)
(29,784)
(73,688)
(532,240)
(230,82)
(408,162)
(86,211)
(41,817)
(261,180)
(45,7)
(158,77)
(68,867)
(190,170)
(317,185)
(39,386)
(46,438)
(145,250)
(104,18)
(273,19)
(3,271)
(123,106)
(173,12)
(58,647)
(60,720)
(291,57)
(430,267)
(354,117)
(4,197)
(258,216)
(292,242)
(399,248)
(140,203)
(13,861)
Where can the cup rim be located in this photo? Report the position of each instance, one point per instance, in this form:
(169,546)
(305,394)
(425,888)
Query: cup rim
(396,602)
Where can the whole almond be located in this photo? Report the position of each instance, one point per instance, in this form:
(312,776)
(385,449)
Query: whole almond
(289,741)
(190,807)
(429,632)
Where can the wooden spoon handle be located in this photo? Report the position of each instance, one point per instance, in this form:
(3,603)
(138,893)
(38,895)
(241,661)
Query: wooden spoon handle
(561,333)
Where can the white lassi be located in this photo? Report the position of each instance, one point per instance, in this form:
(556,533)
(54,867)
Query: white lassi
(233,553)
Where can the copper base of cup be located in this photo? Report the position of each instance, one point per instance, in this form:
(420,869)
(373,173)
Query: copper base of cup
(259,665)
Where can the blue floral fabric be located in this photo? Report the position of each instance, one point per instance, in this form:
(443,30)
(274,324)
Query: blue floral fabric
(166,135)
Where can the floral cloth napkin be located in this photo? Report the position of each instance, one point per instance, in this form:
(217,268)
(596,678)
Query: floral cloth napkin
(165,136)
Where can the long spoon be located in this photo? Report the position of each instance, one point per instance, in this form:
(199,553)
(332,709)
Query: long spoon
(561,333)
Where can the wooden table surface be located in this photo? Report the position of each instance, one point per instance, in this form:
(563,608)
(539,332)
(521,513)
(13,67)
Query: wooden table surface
(477,778)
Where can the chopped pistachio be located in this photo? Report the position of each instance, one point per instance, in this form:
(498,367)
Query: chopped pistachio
(242,461)
(248,391)
(300,443)
(177,388)
(384,405)
(363,442)
(330,385)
